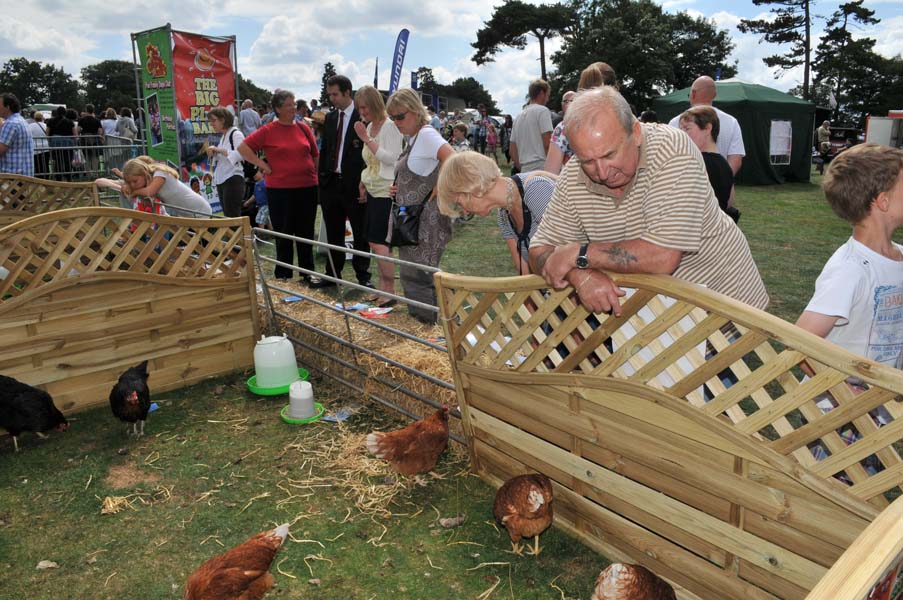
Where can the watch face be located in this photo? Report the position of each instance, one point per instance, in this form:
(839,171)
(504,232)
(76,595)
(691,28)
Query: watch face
(582,263)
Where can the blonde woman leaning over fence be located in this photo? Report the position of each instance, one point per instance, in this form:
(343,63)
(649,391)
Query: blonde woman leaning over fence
(146,177)
(471,183)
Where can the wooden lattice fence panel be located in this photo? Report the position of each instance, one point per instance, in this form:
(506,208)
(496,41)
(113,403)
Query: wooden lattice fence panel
(592,401)
(22,197)
(87,292)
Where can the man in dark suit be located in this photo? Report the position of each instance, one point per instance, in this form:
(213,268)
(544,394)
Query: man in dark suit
(340,176)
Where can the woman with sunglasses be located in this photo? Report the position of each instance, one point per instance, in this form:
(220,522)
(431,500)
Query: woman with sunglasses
(416,173)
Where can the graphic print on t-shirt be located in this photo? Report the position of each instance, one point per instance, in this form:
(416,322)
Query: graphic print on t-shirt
(886,335)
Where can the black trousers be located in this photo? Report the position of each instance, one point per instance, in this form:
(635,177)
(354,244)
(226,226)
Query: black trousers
(293,211)
(338,199)
(230,195)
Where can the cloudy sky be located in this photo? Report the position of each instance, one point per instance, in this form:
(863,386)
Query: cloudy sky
(285,43)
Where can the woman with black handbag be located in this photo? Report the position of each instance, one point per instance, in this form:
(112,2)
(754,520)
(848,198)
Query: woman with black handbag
(416,173)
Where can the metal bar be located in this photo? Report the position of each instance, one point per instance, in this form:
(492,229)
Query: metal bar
(357,388)
(373,353)
(386,328)
(397,261)
(357,286)
(271,322)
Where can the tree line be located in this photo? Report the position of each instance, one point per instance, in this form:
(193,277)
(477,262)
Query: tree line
(655,52)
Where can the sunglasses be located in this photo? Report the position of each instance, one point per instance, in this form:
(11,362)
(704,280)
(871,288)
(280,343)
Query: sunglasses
(399,116)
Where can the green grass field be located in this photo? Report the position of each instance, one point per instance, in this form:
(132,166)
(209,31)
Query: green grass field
(218,466)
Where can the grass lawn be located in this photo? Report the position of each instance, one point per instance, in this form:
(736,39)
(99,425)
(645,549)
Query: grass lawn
(216,466)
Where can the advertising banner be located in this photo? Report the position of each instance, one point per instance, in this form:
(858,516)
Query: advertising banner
(204,79)
(160,121)
(401,44)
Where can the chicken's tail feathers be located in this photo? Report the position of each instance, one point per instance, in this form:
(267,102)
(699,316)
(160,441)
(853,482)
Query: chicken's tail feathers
(373,444)
(142,368)
(281,532)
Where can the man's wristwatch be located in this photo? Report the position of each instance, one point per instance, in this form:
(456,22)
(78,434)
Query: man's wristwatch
(582,260)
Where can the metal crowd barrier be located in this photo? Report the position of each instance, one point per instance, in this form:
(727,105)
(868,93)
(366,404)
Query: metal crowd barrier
(82,158)
(273,312)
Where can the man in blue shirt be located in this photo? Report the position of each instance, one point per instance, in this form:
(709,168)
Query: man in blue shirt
(16,144)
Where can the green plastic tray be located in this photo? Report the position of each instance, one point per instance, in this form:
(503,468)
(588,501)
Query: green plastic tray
(292,421)
(275,391)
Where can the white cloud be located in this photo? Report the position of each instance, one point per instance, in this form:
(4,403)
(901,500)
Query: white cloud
(48,45)
(889,36)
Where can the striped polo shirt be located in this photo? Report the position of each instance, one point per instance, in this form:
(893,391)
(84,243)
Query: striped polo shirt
(669,203)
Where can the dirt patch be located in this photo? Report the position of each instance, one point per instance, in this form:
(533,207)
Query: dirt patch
(123,476)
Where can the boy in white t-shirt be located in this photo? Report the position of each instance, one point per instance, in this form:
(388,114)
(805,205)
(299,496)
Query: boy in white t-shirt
(858,300)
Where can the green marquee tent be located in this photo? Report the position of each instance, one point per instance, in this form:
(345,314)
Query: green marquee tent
(777,129)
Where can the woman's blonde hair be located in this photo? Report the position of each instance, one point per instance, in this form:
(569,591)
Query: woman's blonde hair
(373,99)
(407,100)
(145,166)
(465,172)
(596,75)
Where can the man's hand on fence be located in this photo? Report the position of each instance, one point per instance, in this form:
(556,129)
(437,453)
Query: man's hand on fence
(597,292)
(559,264)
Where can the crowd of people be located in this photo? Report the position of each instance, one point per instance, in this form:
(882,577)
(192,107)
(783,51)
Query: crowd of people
(62,144)
(592,190)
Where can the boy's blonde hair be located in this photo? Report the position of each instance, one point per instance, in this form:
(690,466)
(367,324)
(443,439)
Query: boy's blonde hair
(856,176)
(144,166)
(466,172)
(461,127)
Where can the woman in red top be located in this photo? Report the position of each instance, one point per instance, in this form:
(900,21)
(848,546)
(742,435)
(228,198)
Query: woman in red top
(290,176)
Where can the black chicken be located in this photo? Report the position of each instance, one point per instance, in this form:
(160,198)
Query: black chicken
(130,398)
(26,408)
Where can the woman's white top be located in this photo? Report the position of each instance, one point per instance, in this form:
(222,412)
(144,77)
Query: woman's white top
(229,164)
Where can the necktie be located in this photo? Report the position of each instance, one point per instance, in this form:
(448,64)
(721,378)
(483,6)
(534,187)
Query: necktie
(338,142)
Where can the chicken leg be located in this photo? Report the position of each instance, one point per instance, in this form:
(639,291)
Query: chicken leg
(536,549)
(15,443)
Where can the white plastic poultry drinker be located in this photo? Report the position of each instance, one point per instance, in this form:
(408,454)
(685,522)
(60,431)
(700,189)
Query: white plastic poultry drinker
(275,367)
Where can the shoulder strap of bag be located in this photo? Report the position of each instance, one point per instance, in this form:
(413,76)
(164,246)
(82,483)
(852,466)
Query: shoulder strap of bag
(523,236)
(306,131)
(231,135)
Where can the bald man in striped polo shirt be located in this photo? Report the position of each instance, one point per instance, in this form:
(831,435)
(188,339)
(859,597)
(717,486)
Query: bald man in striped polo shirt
(636,199)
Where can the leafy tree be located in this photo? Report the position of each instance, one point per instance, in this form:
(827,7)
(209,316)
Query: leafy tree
(426,82)
(466,88)
(328,71)
(512,21)
(472,92)
(110,83)
(650,50)
(33,83)
(699,48)
(887,86)
(847,64)
(247,89)
(792,24)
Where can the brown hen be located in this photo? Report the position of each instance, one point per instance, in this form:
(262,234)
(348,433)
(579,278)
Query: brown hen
(524,506)
(621,581)
(414,449)
(242,573)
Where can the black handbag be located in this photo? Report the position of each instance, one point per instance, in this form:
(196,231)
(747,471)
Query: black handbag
(406,224)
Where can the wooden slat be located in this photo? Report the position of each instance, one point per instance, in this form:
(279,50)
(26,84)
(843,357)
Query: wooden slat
(761,553)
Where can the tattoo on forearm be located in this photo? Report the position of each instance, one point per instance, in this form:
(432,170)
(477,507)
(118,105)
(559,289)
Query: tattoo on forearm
(621,258)
(538,261)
